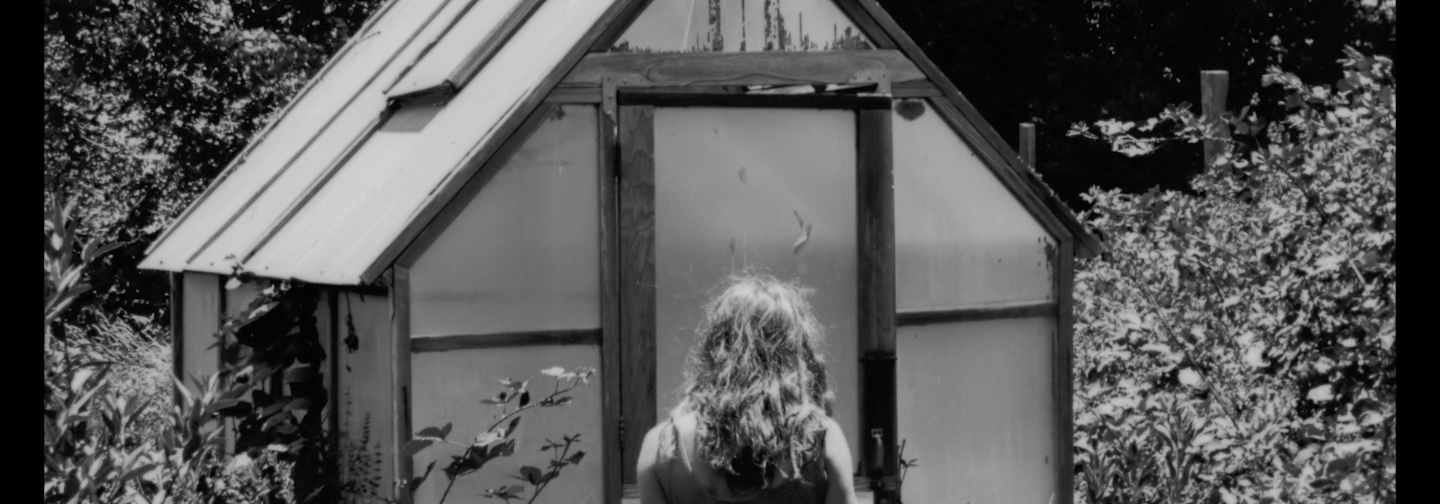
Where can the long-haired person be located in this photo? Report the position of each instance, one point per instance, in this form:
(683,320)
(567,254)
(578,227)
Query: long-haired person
(754,424)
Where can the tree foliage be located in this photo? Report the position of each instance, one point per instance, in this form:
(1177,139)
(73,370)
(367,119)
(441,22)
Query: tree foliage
(1056,63)
(1236,343)
(146,101)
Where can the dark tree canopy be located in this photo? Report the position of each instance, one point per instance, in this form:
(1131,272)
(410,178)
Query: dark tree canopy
(146,101)
(1058,63)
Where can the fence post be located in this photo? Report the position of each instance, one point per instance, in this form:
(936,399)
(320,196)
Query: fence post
(1027,144)
(1214,84)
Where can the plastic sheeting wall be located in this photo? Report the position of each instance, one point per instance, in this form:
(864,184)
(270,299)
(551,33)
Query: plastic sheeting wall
(448,388)
(976,407)
(961,237)
(366,399)
(771,190)
(524,254)
(741,25)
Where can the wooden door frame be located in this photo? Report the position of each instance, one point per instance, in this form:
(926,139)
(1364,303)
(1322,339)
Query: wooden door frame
(628,164)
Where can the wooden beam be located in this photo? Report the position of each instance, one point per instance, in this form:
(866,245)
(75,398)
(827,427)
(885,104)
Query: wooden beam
(1214,86)
(914,89)
(610,301)
(811,101)
(480,153)
(637,277)
(875,212)
(586,94)
(504,340)
(400,369)
(746,68)
(332,303)
(177,329)
(975,313)
(1027,144)
(1063,352)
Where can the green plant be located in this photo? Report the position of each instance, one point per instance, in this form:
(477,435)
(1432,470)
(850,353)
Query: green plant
(1237,343)
(498,440)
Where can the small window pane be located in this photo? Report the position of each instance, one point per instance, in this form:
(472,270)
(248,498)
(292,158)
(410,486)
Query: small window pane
(961,237)
(976,407)
(448,388)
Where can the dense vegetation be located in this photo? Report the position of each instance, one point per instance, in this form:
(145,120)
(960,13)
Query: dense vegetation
(1235,343)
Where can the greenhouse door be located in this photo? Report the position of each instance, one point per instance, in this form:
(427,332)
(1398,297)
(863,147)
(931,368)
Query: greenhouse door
(709,188)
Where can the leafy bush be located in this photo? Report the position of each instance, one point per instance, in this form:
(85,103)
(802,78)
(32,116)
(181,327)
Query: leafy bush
(1236,343)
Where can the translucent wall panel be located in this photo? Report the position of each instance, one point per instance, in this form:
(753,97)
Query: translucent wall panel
(201,321)
(524,254)
(366,402)
(976,407)
(768,189)
(741,25)
(961,237)
(448,388)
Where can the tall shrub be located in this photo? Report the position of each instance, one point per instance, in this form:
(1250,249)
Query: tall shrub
(1236,342)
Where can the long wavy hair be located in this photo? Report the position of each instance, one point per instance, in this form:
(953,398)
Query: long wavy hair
(757,382)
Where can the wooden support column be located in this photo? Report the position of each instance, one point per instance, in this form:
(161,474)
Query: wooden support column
(177,329)
(875,209)
(637,278)
(1214,85)
(1063,384)
(610,338)
(400,370)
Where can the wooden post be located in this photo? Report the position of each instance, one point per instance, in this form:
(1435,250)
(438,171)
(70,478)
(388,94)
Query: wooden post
(875,209)
(637,279)
(1214,84)
(1027,144)
(400,374)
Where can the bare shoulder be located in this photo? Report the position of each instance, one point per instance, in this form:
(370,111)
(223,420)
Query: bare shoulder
(838,462)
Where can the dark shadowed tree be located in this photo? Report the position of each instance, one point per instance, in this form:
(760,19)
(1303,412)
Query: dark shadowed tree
(146,101)
(1058,63)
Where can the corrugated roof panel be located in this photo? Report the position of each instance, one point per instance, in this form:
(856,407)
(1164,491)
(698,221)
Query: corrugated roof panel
(437,65)
(330,141)
(323,98)
(352,190)
(353,218)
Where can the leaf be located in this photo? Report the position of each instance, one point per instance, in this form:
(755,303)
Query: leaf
(419,480)
(510,429)
(575,459)
(531,474)
(414,446)
(435,432)
(555,371)
(1189,377)
(486,438)
(524,398)
(1320,394)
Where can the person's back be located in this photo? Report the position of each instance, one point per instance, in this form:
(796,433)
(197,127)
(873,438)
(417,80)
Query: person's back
(754,425)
